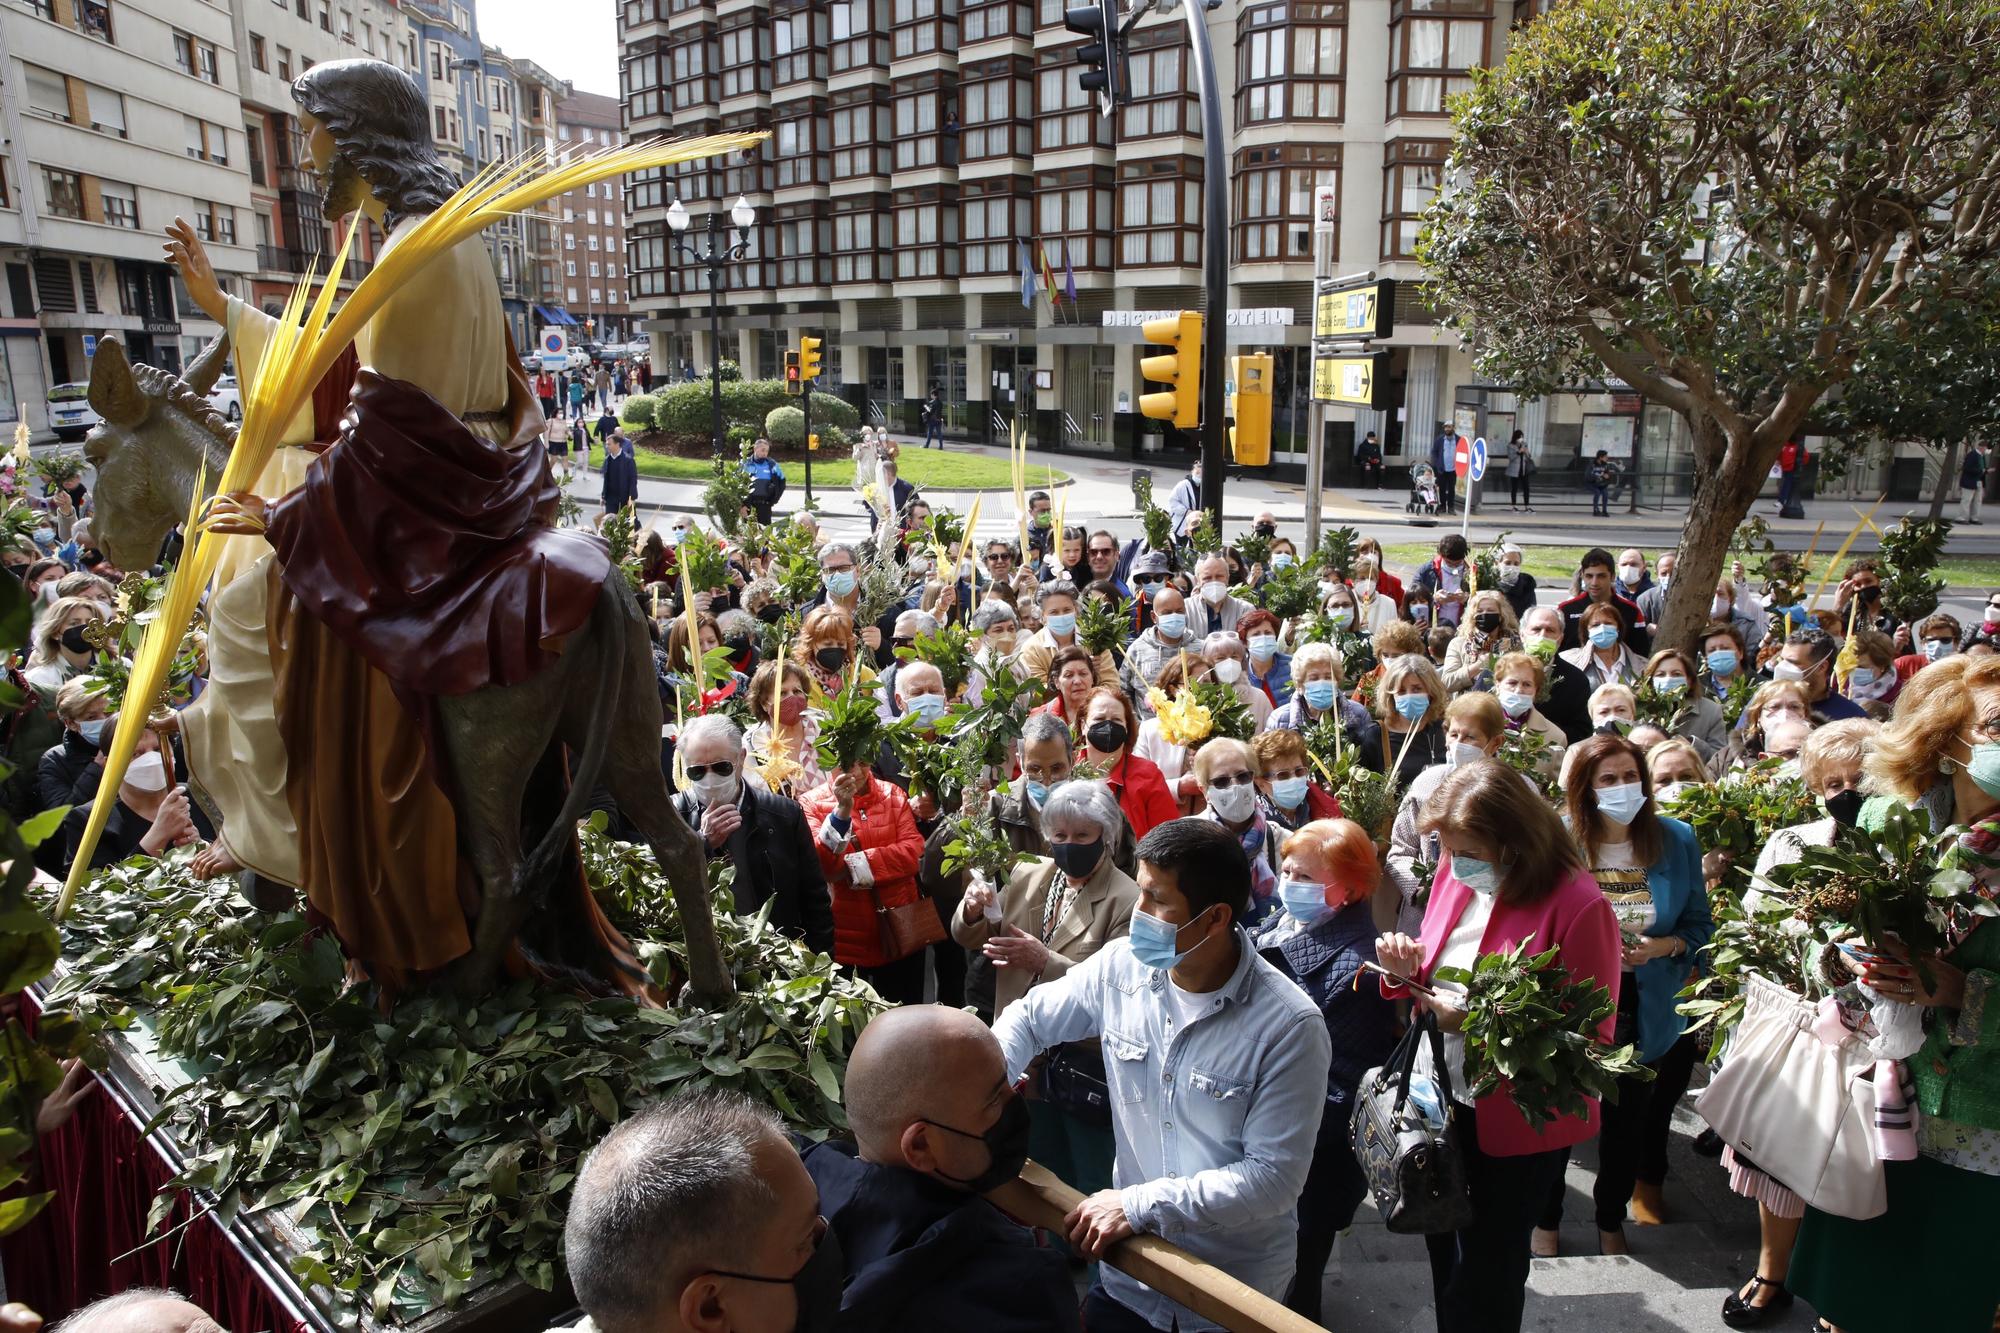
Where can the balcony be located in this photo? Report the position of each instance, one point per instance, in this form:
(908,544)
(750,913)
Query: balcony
(274,259)
(298,178)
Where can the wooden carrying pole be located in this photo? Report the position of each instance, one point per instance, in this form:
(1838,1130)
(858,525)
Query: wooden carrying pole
(1039,1199)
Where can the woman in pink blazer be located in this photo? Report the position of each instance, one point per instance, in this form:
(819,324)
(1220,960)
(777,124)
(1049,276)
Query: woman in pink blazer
(1510,872)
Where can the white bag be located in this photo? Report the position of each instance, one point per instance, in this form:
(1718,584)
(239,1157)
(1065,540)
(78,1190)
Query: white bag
(1798,1109)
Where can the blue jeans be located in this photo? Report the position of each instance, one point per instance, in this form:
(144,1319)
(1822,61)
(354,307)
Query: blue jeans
(1600,500)
(934,431)
(1788,482)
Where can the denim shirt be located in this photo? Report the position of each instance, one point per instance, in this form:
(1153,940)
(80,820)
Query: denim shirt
(1214,1122)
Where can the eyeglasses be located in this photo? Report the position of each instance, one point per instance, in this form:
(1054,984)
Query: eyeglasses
(1040,774)
(900,642)
(1148,580)
(820,1227)
(1104,550)
(722,769)
(834,569)
(1989,729)
(1224,781)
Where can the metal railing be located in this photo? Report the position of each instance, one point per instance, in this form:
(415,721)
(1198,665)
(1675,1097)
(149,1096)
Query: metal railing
(999,425)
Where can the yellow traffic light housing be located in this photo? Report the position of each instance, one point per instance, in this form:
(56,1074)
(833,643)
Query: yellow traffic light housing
(793,385)
(1182,404)
(1250,406)
(809,358)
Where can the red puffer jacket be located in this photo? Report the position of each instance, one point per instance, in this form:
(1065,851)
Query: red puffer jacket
(885,833)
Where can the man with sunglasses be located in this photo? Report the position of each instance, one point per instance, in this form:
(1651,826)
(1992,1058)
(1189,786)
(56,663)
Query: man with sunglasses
(696,1216)
(936,1124)
(762,834)
(1101,553)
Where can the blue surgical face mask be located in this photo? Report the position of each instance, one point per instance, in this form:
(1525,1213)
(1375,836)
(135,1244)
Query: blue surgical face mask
(93,730)
(929,707)
(45,535)
(1038,793)
(1515,703)
(1062,625)
(1482,877)
(1263,647)
(1304,900)
(675,536)
(1984,768)
(1670,684)
(1413,706)
(1723,661)
(1290,793)
(1155,942)
(840,583)
(1319,694)
(1281,560)
(1621,804)
(1603,636)
(1860,678)
(1173,624)
(1937,649)
(1341,616)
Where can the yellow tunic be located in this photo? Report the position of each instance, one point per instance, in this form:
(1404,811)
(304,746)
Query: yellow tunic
(443,331)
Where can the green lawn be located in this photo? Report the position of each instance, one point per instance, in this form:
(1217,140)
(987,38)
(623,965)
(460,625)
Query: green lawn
(938,470)
(1553,565)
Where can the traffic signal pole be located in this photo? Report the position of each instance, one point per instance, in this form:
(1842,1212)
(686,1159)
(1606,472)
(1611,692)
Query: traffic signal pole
(1215,264)
(806,402)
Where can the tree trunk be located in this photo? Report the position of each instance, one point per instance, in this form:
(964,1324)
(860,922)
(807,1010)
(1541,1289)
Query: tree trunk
(1941,492)
(1718,506)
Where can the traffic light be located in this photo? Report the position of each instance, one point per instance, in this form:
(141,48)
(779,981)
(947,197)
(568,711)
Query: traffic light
(1182,369)
(808,358)
(792,382)
(1108,75)
(1250,405)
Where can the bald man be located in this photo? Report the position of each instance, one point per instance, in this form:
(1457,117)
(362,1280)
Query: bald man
(935,1123)
(140,1310)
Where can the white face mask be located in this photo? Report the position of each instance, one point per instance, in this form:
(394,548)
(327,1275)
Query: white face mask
(1629,575)
(148,772)
(1787,671)
(1719,607)
(1463,753)
(1214,591)
(1509,574)
(1229,671)
(1232,803)
(1365,589)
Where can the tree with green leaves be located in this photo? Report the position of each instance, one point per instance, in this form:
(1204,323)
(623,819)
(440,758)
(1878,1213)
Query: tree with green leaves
(1735,206)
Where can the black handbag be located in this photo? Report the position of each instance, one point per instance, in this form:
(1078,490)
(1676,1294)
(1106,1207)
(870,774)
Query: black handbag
(1414,1171)
(1073,1080)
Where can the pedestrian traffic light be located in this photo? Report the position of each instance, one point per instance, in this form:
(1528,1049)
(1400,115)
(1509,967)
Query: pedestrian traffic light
(1107,76)
(809,358)
(1182,369)
(792,381)
(1250,406)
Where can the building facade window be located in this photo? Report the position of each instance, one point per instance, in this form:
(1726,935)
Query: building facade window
(62,193)
(1065,115)
(639,82)
(693,63)
(800,144)
(860,34)
(646,259)
(802,245)
(860,231)
(1412,170)
(1291,62)
(745,54)
(995,214)
(997,98)
(919,111)
(919,27)
(1274,200)
(253,140)
(1434,45)
(1073,213)
(1159,212)
(1163,100)
(121,207)
(259,59)
(996,18)
(860,126)
(799,35)
(927,232)
(742,173)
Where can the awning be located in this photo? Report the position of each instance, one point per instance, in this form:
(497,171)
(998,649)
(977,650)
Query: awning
(563,316)
(547,316)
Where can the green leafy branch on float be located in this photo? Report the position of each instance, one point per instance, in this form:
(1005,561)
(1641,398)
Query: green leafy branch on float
(428,1156)
(1531,753)
(1104,625)
(1530,1024)
(930,766)
(1158,524)
(728,490)
(794,562)
(986,732)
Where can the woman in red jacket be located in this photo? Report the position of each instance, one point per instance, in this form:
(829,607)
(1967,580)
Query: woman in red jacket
(869,848)
(1509,872)
(1109,726)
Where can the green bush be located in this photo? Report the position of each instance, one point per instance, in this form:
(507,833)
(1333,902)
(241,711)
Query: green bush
(787,428)
(729,370)
(739,435)
(686,408)
(641,412)
(750,401)
(835,411)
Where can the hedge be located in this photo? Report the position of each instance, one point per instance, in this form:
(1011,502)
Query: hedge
(787,428)
(688,409)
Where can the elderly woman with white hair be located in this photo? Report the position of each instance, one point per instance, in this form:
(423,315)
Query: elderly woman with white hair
(1316,696)
(1055,912)
(1229,659)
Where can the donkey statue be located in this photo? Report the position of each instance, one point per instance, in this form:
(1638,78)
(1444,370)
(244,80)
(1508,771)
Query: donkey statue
(600,698)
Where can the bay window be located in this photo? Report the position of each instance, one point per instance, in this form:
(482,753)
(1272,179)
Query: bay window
(995,97)
(1274,200)
(996,18)
(1159,212)
(860,121)
(799,40)
(1065,115)
(923,26)
(803,233)
(1163,97)
(919,108)
(927,232)
(1434,45)
(860,230)
(1291,62)
(860,34)
(1412,170)
(1073,215)
(799,143)
(995,214)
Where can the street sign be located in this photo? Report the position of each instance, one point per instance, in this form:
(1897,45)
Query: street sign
(1358,381)
(554,348)
(89,346)
(1364,311)
(1461,457)
(1479,458)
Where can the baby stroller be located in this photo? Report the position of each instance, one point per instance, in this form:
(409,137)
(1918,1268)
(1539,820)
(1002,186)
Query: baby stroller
(1423,490)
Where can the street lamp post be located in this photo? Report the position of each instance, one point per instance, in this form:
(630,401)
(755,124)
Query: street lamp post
(718,257)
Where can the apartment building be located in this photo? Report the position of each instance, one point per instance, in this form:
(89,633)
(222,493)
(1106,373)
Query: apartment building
(593,277)
(118,117)
(922,150)
(537,94)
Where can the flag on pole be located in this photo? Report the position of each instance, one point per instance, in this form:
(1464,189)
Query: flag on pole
(1069,274)
(1048,274)
(1027,276)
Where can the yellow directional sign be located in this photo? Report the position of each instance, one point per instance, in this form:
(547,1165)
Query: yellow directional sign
(1356,312)
(1358,381)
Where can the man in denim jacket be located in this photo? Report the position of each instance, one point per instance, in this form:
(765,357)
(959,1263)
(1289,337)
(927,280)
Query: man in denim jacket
(1216,1065)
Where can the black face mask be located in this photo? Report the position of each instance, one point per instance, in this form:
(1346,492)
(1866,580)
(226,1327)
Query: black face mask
(771,613)
(830,659)
(1871,593)
(1846,807)
(1486,621)
(738,646)
(816,1286)
(72,639)
(1107,737)
(1006,1142)
(1267,529)
(1077,859)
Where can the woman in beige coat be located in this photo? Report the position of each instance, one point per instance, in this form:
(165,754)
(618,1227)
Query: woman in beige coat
(1055,912)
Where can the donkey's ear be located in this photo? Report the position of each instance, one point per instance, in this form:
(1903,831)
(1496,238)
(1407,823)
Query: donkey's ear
(115,394)
(201,376)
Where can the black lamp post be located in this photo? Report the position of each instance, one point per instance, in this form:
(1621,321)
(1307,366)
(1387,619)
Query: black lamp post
(717,257)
